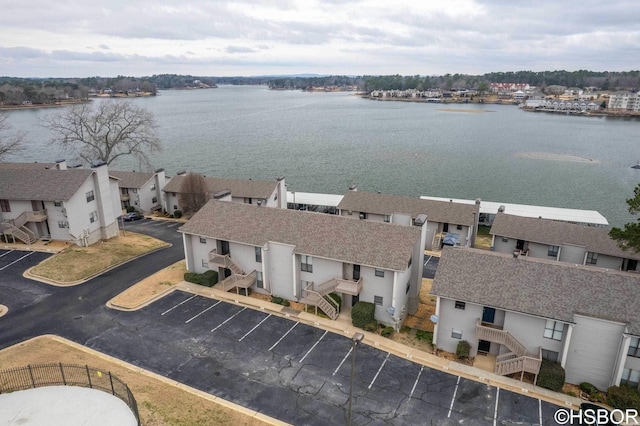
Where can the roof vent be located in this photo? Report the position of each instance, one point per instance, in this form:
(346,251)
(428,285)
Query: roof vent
(181,173)
(478,201)
(353,188)
(501,209)
(420,220)
(98,164)
(158,170)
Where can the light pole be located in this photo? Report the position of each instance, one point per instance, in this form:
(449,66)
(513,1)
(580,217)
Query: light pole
(357,338)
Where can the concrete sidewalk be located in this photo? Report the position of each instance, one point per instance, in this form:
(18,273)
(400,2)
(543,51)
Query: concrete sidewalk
(343,326)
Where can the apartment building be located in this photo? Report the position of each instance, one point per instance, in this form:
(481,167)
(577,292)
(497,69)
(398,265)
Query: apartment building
(140,190)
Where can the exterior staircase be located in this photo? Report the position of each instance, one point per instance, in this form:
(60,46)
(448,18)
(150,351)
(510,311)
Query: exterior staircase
(238,279)
(517,360)
(22,233)
(317,295)
(437,239)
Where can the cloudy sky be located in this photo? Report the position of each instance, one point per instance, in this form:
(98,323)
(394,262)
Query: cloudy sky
(79,38)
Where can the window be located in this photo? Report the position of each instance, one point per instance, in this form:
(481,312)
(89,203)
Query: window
(93,217)
(630,377)
(379,272)
(203,240)
(634,347)
(456,333)
(173,194)
(90,196)
(553,251)
(363,215)
(592,258)
(459,227)
(550,355)
(4,206)
(175,207)
(387,218)
(505,240)
(306,263)
(57,203)
(63,224)
(259,282)
(408,287)
(460,305)
(247,200)
(154,200)
(377,300)
(153,187)
(205,264)
(553,330)
(259,254)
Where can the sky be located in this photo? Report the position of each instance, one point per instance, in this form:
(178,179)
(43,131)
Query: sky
(82,38)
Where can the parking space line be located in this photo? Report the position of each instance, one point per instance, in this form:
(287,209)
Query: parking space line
(173,225)
(257,325)
(10,251)
(427,261)
(196,316)
(229,319)
(314,345)
(540,410)
(453,398)
(343,360)
(171,309)
(495,411)
(158,223)
(17,260)
(379,370)
(416,382)
(285,335)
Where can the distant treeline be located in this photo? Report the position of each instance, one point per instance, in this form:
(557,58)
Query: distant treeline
(16,91)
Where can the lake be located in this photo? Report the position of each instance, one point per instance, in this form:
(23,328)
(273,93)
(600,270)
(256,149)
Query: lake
(325,142)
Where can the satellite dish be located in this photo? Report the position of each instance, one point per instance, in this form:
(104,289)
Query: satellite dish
(391,310)
(434,319)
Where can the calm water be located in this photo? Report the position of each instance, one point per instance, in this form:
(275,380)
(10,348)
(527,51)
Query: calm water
(324,142)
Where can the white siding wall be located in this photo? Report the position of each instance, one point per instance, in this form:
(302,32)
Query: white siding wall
(529,330)
(593,350)
(55,215)
(377,286)
(540,251)
(199,252)
(145,196)
(609,262)
(281,272)
(464,320)
(507,246)
(323,271)
(400,297)
(572,254)
(244,256)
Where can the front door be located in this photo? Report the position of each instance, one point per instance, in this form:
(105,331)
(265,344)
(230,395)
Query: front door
(488,315)
(632,265)
(520,245)
(484,346)
(354,299)
(356,272)
(224,247)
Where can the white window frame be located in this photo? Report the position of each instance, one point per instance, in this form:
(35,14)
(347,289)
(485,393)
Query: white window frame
(634,347)
(90,196)
(93,216)
(306,263)
(203,240)
(258,251)
(378,300)
(456,333)
(379,272)
(205,264)
(259,280)
(592,258)
(553,330)
(459,304)
(552,251)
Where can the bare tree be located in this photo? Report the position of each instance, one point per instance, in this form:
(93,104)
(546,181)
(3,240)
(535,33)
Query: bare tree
(193,193)
(9,143)
(106,131)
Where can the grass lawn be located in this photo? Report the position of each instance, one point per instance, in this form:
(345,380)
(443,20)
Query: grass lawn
(79,263)
(159,403)
(145,290)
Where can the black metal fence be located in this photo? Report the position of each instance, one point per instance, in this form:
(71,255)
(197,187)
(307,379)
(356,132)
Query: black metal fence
(34,376)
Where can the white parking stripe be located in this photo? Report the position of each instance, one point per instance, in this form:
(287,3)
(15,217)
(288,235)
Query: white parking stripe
(17,260)
(343,360)
(158,223)
(173,225)
(540,410)
(453,398)
(229,319)
(10,251)
(315,344)
(171,309)
(495,411)
(427,261)
(285,335)
(257,325)
(416,382)
(379,370)
(210,307)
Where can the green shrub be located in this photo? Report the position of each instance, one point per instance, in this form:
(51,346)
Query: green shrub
(130,209)
(286,303)
(623,397)
(372,326)
(588,388)
(405,329)
(177,214)
(387,331)
(362,314)
(244,291)
(551,376)
(425,335)
(463,349)
(276,300)
(208,279)
(336,298)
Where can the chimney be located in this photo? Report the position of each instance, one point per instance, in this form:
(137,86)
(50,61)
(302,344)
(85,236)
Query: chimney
(477,201)
(353,188)
(501,209)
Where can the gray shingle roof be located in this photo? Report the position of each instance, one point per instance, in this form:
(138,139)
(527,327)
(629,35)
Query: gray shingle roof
(131,179)
(41,184)
(386,204)
(556,233)
(540,287)
(239,187)
(363,242)
(29,166)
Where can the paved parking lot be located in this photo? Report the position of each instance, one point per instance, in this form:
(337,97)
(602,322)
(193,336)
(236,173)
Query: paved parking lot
(19,292)
(301,374)
(430,266)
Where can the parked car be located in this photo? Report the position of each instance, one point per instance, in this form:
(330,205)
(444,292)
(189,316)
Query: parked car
(132,216)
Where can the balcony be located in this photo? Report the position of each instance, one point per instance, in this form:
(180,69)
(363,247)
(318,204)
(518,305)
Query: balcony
(124,197)
(237,281)
(37,216)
